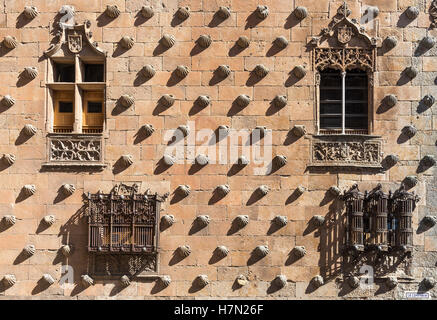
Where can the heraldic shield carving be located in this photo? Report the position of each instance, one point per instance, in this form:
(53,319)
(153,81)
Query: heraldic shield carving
(344,34)
(75,43)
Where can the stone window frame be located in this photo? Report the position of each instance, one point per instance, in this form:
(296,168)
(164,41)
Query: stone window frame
(76,149)
(344,45)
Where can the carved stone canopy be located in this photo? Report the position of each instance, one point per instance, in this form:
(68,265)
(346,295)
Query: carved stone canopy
(74,39)
(344,45)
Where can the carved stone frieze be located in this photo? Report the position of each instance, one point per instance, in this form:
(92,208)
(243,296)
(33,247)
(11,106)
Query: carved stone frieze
(123,264)
(346,151)
(344,58)
(75,149)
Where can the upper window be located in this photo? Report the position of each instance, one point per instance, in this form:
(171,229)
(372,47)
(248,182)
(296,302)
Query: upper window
(343,101)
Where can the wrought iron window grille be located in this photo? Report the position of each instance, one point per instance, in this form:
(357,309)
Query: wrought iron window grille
(378,221)
(123,235)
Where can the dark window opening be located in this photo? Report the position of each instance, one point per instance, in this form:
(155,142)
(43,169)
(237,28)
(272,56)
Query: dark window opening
(64,72)
(93,73)
(65,106)
(94,107)
(331,100)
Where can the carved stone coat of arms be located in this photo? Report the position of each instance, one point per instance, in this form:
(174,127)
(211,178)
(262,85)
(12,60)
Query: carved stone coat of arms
(75,43)
(344,34)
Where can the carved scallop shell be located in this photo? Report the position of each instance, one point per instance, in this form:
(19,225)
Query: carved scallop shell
(318,220)
(29,249)
(317,281)
(204,40)
(182,71)
(29,189)
(280,221)
(299,130)
(335,191)
(10,220)
(167,100)
(411,72)
(184,251)
(300,190)
(261,70)
(203,220)
(29,130)
(429,221)
(281,42)
(168,220)
(280,281)
(168,40)
(125,281)
(68,189)
(299,251)
(86,280)
(48,278)
(127,159)
(429,282)
(391,282)
(203,101)
(242,161)
(261,130)
(392,159)
(169,160)
(243,100)
(411,181)
(280,101)
(242,280)
(410,131)
(183,13)
(10,42)
(49,220)
(148,71)
(261,251)
(30,72)
(165,280)
(353,282)
(222,251)
(8,101)
(242,220)
(183,190)
(9,280)
(299,72)
(429,160)
(412,12)
(391,42)
(127,42)
(223,189)
(224,71)
(202,280)
(224,12)
(262,11)
(428,100)
(428,42)
(263,190)
(8,159)
(184,129)
(280,160)
(148,129)
(127,100)
(391,100)
(30,12)
(66,250)
(112,11)
(300,13)
(147,12)
(243,42)
(202,160)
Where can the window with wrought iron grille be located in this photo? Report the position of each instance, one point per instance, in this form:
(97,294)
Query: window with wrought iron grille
(379,221)
(122,227)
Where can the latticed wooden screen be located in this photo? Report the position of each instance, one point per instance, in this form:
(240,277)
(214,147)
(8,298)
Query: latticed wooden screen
(123,221)
(377,220)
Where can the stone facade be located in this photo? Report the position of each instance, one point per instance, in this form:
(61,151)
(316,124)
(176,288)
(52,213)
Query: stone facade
(32,188)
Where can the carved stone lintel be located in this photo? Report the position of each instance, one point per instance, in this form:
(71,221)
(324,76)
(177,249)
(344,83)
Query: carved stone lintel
(347,151)
(75,149)
(123,264)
